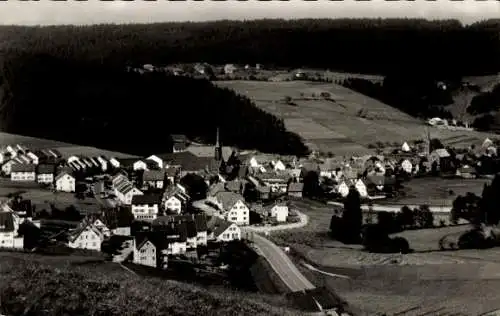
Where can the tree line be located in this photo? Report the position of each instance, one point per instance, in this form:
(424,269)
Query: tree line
(378,46)
(87,103)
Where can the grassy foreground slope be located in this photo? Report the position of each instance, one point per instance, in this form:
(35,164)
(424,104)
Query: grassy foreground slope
(333,124)
(38,285)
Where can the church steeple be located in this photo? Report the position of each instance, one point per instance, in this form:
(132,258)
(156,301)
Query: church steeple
(218,147)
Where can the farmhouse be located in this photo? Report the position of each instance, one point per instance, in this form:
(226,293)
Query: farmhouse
(343,187)
(157,160)
(45,174)
(407,166)
(172,200)
(148,250)
(65,182)
(87,237)
(176,235)
(7,167)
(8,233)
(146,207)
(361,187)
(222,230)
(234,205)
(23,172)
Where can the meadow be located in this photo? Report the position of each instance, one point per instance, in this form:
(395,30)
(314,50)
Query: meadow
(56,285)
(333,124)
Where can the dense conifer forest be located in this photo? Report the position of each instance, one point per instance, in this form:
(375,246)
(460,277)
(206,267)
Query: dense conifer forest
(68,82)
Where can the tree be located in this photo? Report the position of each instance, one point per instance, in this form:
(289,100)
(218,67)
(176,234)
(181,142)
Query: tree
(352,215)
(311,184)
(195,185)
(406,217)
(424,217)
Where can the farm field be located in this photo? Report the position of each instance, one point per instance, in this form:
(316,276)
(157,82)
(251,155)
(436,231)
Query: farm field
(42,197)
(466,281)
(333,125)
(65,148)
(435,191)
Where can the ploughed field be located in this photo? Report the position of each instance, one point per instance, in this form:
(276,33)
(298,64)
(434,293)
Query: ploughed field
(333,125)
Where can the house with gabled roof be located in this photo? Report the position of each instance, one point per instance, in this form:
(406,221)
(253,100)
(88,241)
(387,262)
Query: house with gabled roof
(146,206)
(33,157)
(279,211)
(86,237)
(176,236)
(198,223)
(221,230)
(171,173)
(153,179)
(148,250)
(236,210)
(295,189)
(23,172)
(45,173)
(8,231)
(65,182)
(7,166)
(157,160)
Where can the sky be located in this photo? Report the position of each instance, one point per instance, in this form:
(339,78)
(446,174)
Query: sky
(45,12)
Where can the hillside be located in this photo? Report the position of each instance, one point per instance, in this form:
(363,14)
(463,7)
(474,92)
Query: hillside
(96,105)
(333,125)
(336,44)
(39,285)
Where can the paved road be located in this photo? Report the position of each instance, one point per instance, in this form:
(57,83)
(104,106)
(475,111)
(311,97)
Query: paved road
(281,264)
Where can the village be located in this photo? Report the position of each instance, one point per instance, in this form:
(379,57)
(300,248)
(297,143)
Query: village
(184,204)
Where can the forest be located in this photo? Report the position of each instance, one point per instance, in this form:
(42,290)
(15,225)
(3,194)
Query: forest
(377,46)
(92,104)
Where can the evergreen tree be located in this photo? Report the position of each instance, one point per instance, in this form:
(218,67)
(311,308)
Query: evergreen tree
(352,216)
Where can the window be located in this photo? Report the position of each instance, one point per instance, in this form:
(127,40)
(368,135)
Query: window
(225,236)
(234,218)
(235,236)
(244,218)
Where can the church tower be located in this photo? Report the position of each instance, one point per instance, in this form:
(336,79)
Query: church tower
(218,148)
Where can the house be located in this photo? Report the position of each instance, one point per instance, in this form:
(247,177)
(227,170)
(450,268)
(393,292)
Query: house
(407,166)
(33,157)
(171,174)
(157,160)
(124,189)
(45,173)
(179,143)
(8,231)
(343,187)
(280,212)
(234,205)
(139,165)
(200,225)
(114,162)
(7,167)
(222,231)
(176,235)
(229,69)
(278,165)
(86,237)
(23,172)
(361,187)
(264,192)
(405,147)
(146,206)
(173,199)
(65,182)
(148,250)
(442,157)
(153,179)
(295,189)
(103,163)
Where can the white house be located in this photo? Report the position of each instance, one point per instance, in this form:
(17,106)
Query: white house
(139,165)
(343,189)
(229,69)
(7,167)
(361,187)
(114,162)
(125,194)
(173,203)
(156,159)
(278,165)
(103,163)
(407,165)
(34,158)
(221,230)
(148,252)
(234,205)
(65,182)
(146,206)
(73,159)
(176,235)
(23,172)
(87,237)
(280,212)
(405,147)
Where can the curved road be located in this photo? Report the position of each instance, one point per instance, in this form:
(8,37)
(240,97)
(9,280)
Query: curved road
(281,264)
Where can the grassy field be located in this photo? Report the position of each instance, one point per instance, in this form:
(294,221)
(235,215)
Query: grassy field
(45,285)
(464,281)
(333,125)
(42,197)
(65,148)
(436,191)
